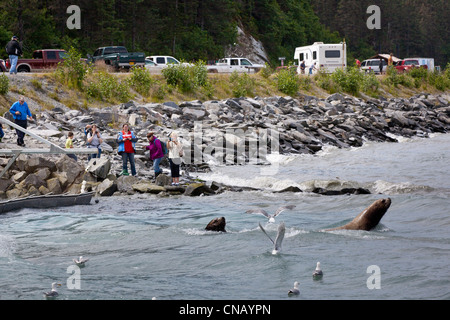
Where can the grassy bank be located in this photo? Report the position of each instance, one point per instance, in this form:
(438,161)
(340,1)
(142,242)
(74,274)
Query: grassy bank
(77,85)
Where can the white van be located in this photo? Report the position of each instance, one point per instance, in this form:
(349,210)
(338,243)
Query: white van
(326,56)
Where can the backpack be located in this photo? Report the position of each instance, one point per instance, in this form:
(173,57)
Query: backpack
(163,146)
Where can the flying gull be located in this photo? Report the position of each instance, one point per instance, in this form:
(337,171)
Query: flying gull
(317,274)
(295,290)
(53,293)
(271,217)
(278,239)
(80,261)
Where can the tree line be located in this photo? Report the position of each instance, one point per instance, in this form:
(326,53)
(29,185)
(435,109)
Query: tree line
(202,29)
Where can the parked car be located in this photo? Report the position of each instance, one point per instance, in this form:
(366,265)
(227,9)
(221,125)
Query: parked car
(228,65)
(407,64)
(373,65)
(46,59)
(164,61)
(118,57)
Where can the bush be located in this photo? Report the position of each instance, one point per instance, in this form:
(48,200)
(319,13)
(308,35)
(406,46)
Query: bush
(242,84)
(187,77)
(141,81)
(288,81)
(394,78)
(370,83)
(106,87)
(348,80)
(267,71)
(73,70)
(4,84)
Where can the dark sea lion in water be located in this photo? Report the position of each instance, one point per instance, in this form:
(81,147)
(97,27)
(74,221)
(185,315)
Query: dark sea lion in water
(217,224)
(369,218)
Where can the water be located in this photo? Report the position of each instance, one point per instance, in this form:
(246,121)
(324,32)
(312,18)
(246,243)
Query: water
(144,246)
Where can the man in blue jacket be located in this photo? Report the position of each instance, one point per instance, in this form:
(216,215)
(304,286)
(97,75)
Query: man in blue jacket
(21,113)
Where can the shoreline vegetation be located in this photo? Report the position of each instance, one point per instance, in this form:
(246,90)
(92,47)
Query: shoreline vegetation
(80,86)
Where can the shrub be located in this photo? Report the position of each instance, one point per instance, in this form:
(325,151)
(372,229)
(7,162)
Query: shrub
(186,77)
(267,71)
(348,80)
(73,70)
(141,81)
(4,84)
(288,81)
(106,87)
(242,84)
(370,83)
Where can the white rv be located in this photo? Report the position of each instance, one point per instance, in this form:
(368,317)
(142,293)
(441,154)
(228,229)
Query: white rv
(326,56)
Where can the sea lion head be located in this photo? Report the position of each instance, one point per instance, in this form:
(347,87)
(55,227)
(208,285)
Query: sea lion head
(217,224)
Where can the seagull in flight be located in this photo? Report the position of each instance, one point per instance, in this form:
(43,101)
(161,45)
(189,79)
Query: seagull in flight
(278,239)
(54,292)
(270,217)
(80,261)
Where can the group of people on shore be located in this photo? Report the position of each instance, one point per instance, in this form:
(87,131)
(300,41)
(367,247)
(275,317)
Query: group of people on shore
(126,140)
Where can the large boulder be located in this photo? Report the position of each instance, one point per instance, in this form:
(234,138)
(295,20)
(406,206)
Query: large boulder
(99,167)
(35,163)
(107,188)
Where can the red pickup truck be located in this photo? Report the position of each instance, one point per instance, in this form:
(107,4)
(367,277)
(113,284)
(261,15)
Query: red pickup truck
(46,59)
(407,64)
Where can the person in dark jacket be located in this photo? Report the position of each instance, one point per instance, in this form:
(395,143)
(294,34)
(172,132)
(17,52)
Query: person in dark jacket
(14,50)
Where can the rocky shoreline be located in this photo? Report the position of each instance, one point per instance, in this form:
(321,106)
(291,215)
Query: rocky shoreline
(228,132)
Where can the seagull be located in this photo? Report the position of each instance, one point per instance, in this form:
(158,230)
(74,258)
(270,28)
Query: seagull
(81,261)
(295,290)
(317,274)
(278,239)
(271,217)
(53,293)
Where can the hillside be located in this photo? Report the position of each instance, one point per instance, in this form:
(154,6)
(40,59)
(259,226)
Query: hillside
(45,91)
(208,30)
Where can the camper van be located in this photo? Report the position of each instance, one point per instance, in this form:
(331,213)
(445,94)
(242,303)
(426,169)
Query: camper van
(326,56)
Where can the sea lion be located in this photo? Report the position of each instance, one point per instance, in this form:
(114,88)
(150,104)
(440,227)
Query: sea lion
(217,224)
(369,218)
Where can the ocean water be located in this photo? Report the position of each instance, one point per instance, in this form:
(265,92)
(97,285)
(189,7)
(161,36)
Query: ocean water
(144,246)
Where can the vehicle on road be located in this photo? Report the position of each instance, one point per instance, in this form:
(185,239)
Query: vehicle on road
(373,65)
(42,60)
(117,57)
(228,65)
(327,57)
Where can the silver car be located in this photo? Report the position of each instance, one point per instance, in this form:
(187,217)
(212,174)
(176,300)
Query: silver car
(373,65)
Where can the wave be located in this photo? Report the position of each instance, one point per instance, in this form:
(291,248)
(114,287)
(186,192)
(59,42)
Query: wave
(391,188)
(7,246)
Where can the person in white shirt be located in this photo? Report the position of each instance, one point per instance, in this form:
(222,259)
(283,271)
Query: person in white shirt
(175,155)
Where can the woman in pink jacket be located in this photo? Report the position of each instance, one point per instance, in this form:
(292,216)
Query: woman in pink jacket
(156,152)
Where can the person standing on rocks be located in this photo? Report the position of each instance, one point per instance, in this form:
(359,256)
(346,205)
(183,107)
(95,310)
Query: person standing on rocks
(127,148)
(69,145)
(21,114)
(175,153)
(13,50)
(156,152)
(94,140)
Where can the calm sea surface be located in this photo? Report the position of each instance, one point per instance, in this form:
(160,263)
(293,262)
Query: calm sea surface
(140,247)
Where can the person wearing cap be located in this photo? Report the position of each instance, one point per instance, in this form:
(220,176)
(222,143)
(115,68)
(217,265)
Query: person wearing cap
(13,50)
(21,113)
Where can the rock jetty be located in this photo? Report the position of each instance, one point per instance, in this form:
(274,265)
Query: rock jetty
(225,131)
